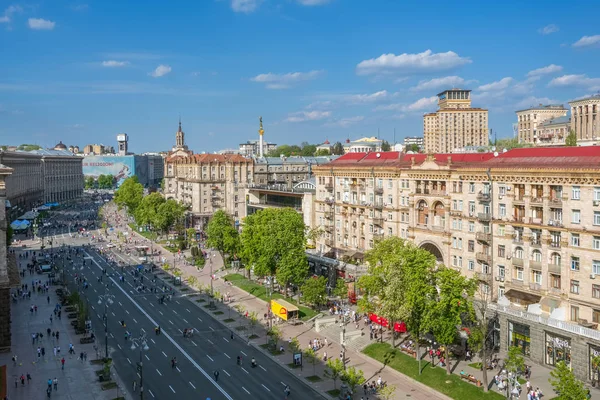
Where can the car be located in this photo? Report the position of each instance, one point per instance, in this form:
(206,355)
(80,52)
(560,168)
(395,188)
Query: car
(44,268)
(111,245)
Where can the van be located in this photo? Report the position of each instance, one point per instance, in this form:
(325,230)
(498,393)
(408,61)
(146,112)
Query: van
(45,268)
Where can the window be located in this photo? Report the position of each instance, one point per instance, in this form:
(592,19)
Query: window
(471,187)
(597,194)
(518,252)
(555,281)
(471,226)
(536,256)
(471,265)
(501,251)
(575,239)
(501,190)
(596,243)
(596,291)
(501,229)
(471,208)
(390,232)
(574,313)
(471,246)
(519,273)
(501,271)
(576,217)
(536,277)
(595,316)
(460,205)
(575,193)
(390,183)
(574,286)
(502,210)
(596,217)
(596,267)
(574,263)
(456,242)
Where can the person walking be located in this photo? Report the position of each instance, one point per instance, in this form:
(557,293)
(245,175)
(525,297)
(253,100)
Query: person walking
(62,362)
(55,382)
(216,374)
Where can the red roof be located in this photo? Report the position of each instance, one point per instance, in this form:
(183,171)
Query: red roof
(548,157)
(395,158)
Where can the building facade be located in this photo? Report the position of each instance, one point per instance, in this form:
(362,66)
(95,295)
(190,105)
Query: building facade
(63,175)
(209,182)
(9,274)
(363,145)
(456,124)
(553,132)
(524,223)
(414,140)
(585,120)
(252,148)
(25,185)
(529,119)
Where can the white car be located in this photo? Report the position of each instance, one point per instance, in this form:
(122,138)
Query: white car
(111,245)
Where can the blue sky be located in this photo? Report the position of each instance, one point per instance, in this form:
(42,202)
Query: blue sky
(81,72)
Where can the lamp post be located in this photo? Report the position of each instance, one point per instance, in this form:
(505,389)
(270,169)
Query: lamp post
(343,326)
(141,343)
(210,259)
(107,299)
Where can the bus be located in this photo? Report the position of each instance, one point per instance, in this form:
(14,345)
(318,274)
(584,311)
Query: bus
(142,252)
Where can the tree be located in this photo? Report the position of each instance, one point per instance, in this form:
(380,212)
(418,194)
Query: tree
(322,153)
(353,377)
(294,345)
(308,150)
(335,369)
(341,289)
(192,281)
(385,146)
(413,147)
(387,392)
(191,235)
(275,333)
(89,182)
(451,303)
(565,384)
(106,181)
(480,331)
(596,367)
(311,356)
(221,234)
(338,149)
(168,214)
(514,363)
(147,211)
(129,194)
(29,147)
(313,234)
(314,291)
(166,267)
(253,321)
(571,139)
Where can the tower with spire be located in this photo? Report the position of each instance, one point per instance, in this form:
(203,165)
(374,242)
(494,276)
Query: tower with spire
(180,148)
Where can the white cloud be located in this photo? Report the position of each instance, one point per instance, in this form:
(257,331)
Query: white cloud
(550,69)
(313,2)
(10,10)
(425,103)
(245,6)
(548,29)
(4,19)
(40,24)
(320,105)
(161,70)
(436,83)
(498,85)
(114,63)
(367,98)
(411,63)
(303,116)
(346,122)
(587,41)
(577,81)
(285,81)
(532,101)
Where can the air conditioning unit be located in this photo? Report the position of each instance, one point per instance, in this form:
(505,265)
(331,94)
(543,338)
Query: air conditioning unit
(497,278)
(592,276)
(596,203)
(501,279)
(508,257)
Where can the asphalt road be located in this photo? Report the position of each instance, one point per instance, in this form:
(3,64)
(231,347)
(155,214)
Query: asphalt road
(210,349)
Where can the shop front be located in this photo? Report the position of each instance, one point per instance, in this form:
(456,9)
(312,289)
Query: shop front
(557,349)
(594,364)
(519,336)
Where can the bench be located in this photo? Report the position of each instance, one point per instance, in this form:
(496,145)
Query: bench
(469,378)
(410,352)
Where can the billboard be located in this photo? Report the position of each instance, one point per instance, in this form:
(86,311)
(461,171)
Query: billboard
(121,167)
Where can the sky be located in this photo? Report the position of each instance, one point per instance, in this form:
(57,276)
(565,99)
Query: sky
(81,72)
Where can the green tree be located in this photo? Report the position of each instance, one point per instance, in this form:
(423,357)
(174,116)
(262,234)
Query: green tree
(571,139)
(192,281)
(222,235)
(314,291)
(334,370)
(353,377)
(147,211)
(169,213)
(510,143)
(162,184)
(29,147)
(387,392)
(565,383)
(413,147)
(451,303)
(341,289)
(596,366)
(322,153)
(294,345)
(480,331)
(89,182)
(129,194)
(385,146)
(275,333)
(338,149)
(313,234)
(191,235)
(308,150)
(253,321)
(514,363)
(311,356)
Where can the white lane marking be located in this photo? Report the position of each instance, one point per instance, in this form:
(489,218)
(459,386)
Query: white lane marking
(192,385)
(185,320)
(119,346)
(227,356)
(263,368)
(226,340)
(246,390)
(244,353)
(164,354)
(143,330)
(172,390)
(120,304)
(171,322)
(208,340)
(93,308)
(188,310)
(198,318)
(178,369)
(127,311)
(135,321)
(226,372)
(175,311)
(112,336)
(138,374)
(129,361)
(265,387)
(177,302)
(282,383)
(211,328)
(113,314)
(161,313)
(150,391)
(190,359)
(244,369)
(158,372)
(152,340)
(210,358)
(194,343)
(152,304)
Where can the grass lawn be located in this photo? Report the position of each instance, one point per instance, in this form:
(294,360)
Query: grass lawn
(109,385)
(334,392)
(314,378)
(436,378)
(270,349)
(228,320)
(260,291)
(253,336)
(218,312)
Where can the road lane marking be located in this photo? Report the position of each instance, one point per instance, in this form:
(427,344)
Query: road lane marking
(150,391)
(143,330)
(199,319)
(160,312)
(112,336)
(135,321)
(282,383)
(210,358)
(175,311)
(226,340)
(265,387)
(93,308)
(192,385)
(147,358)
(227,356)
(172,390)
(152,340)
(171,322)
(185,320)
(244,353)
(244,369)
(177,368)
(188,310)
(211,328)
(194,343)
(177,302)
(113,314)
(263,368)
(119,346)
(120,304)
(226,372)
(246,390)
(164,354)
(127,312)
(208,340)
(129,361)
(158,372)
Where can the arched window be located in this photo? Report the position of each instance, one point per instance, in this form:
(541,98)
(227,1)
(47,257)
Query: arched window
(519,252)
(439,213)
(422,213)
(555,259)
(536,256)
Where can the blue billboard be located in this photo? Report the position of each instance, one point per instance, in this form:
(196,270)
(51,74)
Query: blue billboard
(121,167)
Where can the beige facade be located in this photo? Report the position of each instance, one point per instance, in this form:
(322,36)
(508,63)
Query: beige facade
(585,119)
(209,182)
(456,124)
(63,177)
(25,186)
(553,132)
(529,119)
(531,235)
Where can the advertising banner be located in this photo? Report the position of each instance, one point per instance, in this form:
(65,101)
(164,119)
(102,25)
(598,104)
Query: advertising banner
(398,326)
(121,167)
(279,310)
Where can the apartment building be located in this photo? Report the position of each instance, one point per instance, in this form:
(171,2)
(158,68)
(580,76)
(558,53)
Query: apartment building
(524,223)
(209,182)
(456,124)
(553,132)
(585,119)
(529,119)
(285,171)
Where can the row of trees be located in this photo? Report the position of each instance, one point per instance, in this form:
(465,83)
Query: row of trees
(307,150)
(103,182)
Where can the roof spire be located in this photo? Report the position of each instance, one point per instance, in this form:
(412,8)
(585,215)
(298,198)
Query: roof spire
(179,123)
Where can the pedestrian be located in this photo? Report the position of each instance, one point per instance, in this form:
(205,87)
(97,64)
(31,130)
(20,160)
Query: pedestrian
(22,380)
(39,352)
(28,378)
(55,382)
(54,351)
(43,352)
(16,383)
(48,299)
(62,362)
(216,373)
(50,384)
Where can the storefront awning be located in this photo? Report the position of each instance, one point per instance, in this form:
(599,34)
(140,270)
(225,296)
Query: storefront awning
(522,298)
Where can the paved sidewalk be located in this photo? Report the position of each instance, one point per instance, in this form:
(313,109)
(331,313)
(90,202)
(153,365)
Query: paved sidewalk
(77,381)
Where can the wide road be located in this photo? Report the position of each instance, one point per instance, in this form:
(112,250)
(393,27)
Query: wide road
(210,349)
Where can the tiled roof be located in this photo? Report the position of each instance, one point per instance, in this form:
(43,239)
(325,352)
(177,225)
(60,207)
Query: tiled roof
(548,158)
(555,121)
(398,159)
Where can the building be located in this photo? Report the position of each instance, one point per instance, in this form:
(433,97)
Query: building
(98,149)
(63,175)
(456,124)
(363,145)
(585,120)
(180,148)
(25,185)
(285,171)
(410,141)
(252,148)
(529,119)
(147,168)
(553,132)
(209,182)
(325,146)
(524,223)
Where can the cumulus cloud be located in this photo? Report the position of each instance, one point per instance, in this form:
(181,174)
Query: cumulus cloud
(367,98)
(422,104)
(114,63)
(303,116)
(346,122)
(550,69)
(548,29)
(313,2)
(40,24)
(245,6)
(498,85)
(285,81)
(576,81)
(426,61)
(8,13)
(436,83)
(587,41)
(161,70)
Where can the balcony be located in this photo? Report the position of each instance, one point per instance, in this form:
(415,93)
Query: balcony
(556,202)
(329,214)
(554,244)
(456,213)
(554,269)
(539,201)
(377,236)
(537,265)
(378,221)
(378,190)
(484,197)
(215,188)
(483,236)
(483,276)
(556,222)
(329,228)
(378,205)
(518,200)
(517,262)
(484,258)
(535,242)
(485,217)
(536,287)
(329,242)
(329,186)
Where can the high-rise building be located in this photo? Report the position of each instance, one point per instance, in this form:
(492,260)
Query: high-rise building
(585,119)
(455,125)
(530,118)
(414,140)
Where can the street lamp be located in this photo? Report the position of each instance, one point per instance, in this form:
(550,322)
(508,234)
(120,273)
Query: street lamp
(212,300)
(107,299)
(343,326)
(141,343)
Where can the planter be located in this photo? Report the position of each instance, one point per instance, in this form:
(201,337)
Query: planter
(74,323)
(86,340)
(72,315)
(79,331)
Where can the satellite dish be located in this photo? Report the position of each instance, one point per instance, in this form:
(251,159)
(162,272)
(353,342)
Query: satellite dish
(495,154)
(494,148)
(378,155)
(504,151)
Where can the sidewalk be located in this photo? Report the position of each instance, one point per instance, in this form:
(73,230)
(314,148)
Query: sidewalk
(78,380)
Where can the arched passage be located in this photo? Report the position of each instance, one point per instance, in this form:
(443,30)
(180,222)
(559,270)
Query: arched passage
(433,249)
